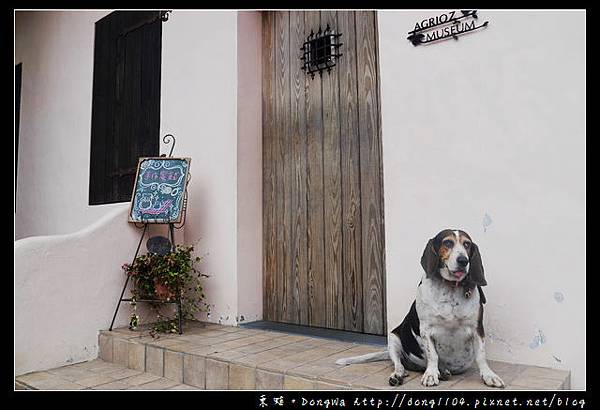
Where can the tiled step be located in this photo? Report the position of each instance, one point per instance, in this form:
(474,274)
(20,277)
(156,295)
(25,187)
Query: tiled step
(211,356)
(96,375)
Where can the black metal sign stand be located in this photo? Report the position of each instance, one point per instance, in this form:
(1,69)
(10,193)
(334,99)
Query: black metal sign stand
(173,246)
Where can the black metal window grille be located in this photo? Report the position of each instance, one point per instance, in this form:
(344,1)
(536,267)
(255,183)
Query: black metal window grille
(321,51)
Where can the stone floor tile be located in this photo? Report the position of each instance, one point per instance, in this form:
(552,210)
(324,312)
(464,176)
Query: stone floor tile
(95,380)
(99,366)
(198,340)
(328,386)
(105,347)
(380,379)
(415,384)
(279,365)
(252,360)
(183,387)
(120,351)
(536,383)
(139,379)
(253,348)
(316,342)
(535,371)
(227,355)
(312,369)
(60,385)
(217,375)
(228,336)
(159,384)
(263,359)
(355,350)
(126,333)
(122,373)
(89,365)
(297,383)
(268,380)
(32,379)
(194,370)
(241,377)
(349,374)
(173,366)
(274,343)
(117,385)
(137,357)
(21,386)
(70,373)
(47,381)
(473,382)
(155,360)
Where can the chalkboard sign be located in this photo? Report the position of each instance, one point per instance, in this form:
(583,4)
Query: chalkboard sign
(159,190)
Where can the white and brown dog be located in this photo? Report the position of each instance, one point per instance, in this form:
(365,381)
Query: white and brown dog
(442,334)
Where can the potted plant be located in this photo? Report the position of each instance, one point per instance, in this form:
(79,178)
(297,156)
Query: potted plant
(167,278)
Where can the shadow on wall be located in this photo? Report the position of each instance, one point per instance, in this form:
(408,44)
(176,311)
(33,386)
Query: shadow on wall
(66,289)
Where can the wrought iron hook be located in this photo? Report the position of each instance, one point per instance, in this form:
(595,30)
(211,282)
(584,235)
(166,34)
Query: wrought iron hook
(166,141)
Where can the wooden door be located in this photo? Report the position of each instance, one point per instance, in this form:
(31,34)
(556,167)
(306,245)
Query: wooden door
(322,176)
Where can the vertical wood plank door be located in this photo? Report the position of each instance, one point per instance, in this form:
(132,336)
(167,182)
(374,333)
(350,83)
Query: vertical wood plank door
(323,258)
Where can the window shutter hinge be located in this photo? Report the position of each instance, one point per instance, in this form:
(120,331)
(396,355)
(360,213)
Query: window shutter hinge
(164,15)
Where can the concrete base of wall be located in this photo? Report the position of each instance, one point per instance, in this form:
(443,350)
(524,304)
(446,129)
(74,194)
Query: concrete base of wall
(209,356)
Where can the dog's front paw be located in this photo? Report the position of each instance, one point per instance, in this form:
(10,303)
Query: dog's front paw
(397,379)
(445,374)
(492,379)
(431,377)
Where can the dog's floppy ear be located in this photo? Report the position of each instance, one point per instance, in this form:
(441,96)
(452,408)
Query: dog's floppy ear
(430,259)
(476,266)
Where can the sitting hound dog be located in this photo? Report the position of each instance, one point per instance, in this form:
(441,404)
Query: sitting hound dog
(442,334)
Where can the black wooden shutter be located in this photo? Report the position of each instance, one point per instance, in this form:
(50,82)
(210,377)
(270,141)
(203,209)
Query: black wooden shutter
(126,101)
(18,69)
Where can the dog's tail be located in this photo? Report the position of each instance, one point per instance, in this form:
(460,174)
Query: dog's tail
(365,358)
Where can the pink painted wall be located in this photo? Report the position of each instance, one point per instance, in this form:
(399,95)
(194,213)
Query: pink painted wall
(249,167)
(57,52)
(199,106)
(487,134)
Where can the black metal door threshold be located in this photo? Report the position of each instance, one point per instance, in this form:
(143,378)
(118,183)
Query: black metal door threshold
(339,335)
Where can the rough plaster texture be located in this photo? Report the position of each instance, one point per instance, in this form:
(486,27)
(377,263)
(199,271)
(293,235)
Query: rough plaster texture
(199,106)
(57,53)
(66,289)
(249,167)
(487,134)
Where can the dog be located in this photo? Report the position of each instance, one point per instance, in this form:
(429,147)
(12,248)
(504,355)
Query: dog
(442,334)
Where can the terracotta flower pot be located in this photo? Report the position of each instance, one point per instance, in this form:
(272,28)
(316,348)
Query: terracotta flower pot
(162,291)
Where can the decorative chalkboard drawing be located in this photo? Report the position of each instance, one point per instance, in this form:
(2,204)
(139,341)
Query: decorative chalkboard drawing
(159,245)
(159,190)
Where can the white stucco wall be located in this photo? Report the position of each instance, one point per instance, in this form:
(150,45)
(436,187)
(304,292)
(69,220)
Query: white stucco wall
(493,124)
(199,106)
(67,288)
(249,167)
(57,52)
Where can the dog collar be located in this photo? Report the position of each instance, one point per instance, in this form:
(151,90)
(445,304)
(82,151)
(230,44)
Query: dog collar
(464,283)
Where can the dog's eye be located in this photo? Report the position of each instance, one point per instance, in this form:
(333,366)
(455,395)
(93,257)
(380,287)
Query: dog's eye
(467,245)
(448,243)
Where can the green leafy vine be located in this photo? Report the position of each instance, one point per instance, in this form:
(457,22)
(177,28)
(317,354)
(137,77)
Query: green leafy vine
(166,278)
